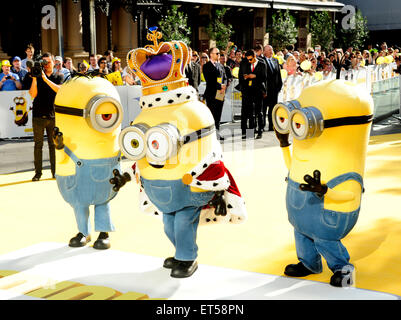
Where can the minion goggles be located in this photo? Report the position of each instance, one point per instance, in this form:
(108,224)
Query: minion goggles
(100,122)
(158,143)
(313,122)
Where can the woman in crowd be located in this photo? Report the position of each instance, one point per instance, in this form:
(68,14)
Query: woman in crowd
(290,65)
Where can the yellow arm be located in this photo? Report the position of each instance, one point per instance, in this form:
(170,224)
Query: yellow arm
(287,156)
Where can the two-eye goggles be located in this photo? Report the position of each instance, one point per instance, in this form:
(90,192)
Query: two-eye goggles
(304,123)
(97,119)
(158,143)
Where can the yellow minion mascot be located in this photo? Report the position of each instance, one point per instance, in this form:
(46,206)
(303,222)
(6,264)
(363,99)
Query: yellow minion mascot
(178,158)
(330,123)
(88,118)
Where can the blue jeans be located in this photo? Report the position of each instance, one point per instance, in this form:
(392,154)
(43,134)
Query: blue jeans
(90,186)
(181,209)
(318,231)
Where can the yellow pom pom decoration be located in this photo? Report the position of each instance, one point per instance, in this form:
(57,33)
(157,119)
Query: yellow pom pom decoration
(235,72)
(388,59)
(318,76)
(380,60)
(306,65)
(284,74)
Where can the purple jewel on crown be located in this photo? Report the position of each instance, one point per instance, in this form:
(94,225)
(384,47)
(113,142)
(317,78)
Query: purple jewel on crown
(157,67)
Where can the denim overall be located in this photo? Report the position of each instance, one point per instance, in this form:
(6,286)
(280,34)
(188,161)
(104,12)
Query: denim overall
(90,186)
(181,210)
(318,231)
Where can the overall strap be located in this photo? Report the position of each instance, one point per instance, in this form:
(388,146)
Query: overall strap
(345,177)
(72,155)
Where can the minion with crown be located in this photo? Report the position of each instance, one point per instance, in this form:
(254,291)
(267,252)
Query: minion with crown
(88,121)
(330,123)
(178,159)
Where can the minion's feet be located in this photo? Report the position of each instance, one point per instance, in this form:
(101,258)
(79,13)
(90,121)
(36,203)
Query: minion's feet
(79,240)
(102,242)
(341,279)
(184,269)
(297,270)
(170,262)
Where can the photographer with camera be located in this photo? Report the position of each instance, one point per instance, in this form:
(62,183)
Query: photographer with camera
(45,84)
(9,81)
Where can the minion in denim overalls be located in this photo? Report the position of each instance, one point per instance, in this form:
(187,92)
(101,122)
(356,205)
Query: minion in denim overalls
(330,123)
(173,141)
(88,117)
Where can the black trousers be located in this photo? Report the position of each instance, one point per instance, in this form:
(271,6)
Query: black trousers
(216,108)
(252,105)
(269,102)
(39,126)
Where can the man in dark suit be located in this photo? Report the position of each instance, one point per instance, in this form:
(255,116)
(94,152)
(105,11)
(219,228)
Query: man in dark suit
(255,90)
(193,72)
(216,83)
(273,84)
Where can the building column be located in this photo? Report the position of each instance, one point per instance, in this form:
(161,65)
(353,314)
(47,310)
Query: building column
(122,37)
(73,39)
(259,30)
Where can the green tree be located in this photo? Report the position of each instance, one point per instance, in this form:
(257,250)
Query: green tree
(283,30)
(218,30)
(355,32)
(322,29)
(174,26)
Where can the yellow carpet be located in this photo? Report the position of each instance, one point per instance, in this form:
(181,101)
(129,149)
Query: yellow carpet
(34,212)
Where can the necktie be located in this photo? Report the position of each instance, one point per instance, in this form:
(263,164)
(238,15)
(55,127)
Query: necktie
(253,67)
(270,63)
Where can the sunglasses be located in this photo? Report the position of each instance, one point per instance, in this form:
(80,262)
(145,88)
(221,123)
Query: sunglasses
(250,59)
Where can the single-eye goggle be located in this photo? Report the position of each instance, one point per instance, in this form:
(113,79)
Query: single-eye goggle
(158,143)
(97,119)
(305,123)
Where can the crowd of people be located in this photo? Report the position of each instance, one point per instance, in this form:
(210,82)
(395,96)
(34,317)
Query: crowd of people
(16,73)
(260,85)
(259,72)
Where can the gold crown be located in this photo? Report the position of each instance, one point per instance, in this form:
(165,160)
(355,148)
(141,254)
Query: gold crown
(175,78)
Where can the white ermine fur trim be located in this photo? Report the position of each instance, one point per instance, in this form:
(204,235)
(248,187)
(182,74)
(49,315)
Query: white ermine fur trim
(213,156)
(168,98)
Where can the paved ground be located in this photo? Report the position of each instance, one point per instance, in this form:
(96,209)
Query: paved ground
(16,155)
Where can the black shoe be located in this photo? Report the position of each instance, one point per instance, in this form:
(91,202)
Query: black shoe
(221,138)
(259,136)
(79,240)
(244,137)
(341,279)
(184,269)
(169,263)
(102,242)
(297,270)
(36,177)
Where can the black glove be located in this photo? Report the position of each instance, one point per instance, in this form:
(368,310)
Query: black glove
(58,138)
(119,180)
(314,184)
(219,203)
(283,138)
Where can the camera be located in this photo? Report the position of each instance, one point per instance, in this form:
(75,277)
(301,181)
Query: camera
(8,77)
(36,66)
